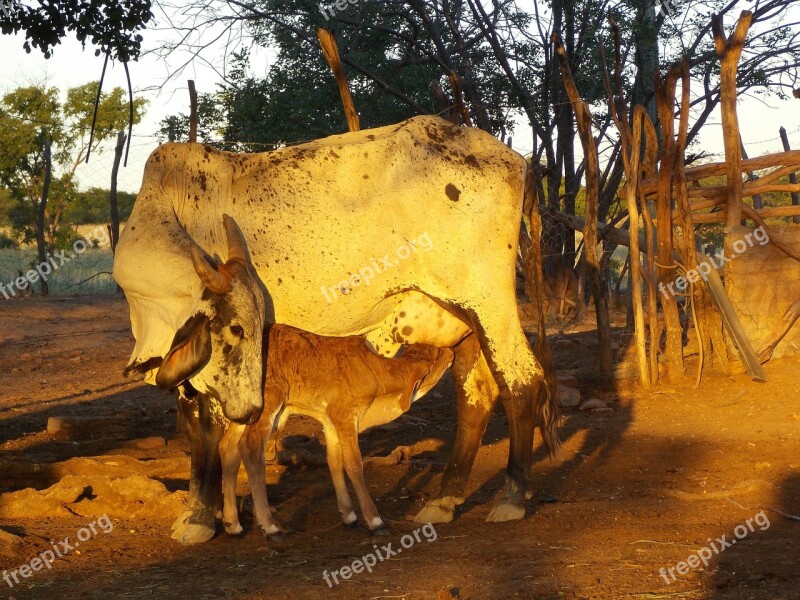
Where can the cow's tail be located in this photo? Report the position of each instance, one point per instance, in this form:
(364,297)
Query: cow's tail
(548,414)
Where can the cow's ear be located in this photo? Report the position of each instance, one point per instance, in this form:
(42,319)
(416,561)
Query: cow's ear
(190,352)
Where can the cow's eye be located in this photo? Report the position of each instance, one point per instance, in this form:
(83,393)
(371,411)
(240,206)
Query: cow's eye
(237,331)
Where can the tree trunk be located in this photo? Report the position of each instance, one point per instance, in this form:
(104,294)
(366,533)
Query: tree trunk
(729,51)
(647,62)
(41,247)
(583,120)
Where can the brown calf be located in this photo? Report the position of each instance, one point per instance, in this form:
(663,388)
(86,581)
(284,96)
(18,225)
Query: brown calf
(346,387)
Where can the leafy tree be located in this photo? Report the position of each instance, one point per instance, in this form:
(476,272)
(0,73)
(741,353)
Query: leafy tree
(91,206)
(502,52)
(31,116)
(109,24)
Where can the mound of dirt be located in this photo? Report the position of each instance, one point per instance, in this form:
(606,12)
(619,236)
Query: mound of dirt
(132,496)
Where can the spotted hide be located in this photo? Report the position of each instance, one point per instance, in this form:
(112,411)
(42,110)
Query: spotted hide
(433,209)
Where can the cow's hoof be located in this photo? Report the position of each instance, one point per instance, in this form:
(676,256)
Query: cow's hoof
(233,529)
(350,520)
(440,510)
(381,530)
(180,521)
(193,533)
(506,512)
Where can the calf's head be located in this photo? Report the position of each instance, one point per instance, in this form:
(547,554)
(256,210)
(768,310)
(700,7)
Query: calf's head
(218,349)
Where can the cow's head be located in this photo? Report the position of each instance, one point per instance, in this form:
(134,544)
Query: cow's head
(218,349)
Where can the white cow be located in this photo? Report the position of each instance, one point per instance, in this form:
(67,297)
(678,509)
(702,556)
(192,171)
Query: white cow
(334,227)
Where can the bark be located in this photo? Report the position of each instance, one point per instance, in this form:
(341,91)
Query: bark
(584,123)
(327,41)
(41,248)
(192,112)
(729,51)
(665,100)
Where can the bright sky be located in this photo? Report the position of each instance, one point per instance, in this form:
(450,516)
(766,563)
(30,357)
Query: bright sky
(70,66)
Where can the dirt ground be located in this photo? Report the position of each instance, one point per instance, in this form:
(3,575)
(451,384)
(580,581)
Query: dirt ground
(636,489)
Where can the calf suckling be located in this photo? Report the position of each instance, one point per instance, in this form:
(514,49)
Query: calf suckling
(342,384)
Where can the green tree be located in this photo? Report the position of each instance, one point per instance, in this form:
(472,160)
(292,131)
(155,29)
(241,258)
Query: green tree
(33,115)
(109,24)
(91,206)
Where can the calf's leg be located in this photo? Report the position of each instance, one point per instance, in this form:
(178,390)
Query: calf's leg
(251,447)
(336,465)
(351,453)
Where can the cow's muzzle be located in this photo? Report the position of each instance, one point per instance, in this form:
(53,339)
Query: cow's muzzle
(247,416)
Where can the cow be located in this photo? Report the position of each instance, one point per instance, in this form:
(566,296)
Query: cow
(217,347)
(345,386)
(325,222)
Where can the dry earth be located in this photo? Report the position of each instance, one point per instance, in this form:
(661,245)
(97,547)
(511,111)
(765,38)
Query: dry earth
(636,489)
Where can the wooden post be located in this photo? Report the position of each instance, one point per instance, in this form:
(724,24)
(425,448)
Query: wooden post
(193,112)
(583,120)
(631,153)
(112,193)
(729,51)
(448,108)
(534,283)
(758,201)
(327,41)
(667,275)
(792,176)
(455,82)
(648,169)
(41,249)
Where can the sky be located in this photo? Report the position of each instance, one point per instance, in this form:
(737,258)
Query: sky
(70,65)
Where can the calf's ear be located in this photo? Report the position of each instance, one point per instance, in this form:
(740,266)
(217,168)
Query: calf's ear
(190,352)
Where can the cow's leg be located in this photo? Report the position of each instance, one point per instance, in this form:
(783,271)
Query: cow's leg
(231,459)
(351,453)
(476,394)
(333,450)
(189,423)
(251,448)
(205,429)
(519,377)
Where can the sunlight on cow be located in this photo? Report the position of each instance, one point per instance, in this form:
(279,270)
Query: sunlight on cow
(314,211)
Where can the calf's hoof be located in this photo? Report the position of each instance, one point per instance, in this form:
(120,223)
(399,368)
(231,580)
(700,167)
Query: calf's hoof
(350,520)
(233,529)
(440,510)
(273,533)
(381,530)
(193,533)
